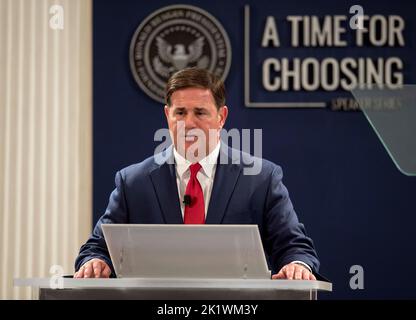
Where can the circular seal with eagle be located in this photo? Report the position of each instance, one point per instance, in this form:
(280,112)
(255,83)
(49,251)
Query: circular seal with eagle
(173,38)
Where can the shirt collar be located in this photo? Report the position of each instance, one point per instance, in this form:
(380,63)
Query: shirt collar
(208,163)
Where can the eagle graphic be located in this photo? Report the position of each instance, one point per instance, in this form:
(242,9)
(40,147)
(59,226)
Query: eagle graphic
(179,58)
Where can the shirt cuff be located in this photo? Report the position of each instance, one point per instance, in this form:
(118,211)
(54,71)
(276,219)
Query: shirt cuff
(303,264)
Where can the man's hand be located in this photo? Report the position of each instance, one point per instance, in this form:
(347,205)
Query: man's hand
(294,271)
(94,268)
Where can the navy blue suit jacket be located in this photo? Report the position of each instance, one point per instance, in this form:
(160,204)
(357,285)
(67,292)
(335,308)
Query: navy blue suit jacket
(147,193)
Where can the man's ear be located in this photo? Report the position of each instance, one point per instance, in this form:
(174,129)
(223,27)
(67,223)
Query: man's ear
(167,112)
(223,113)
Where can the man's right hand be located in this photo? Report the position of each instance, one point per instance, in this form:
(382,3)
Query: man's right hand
(94,268)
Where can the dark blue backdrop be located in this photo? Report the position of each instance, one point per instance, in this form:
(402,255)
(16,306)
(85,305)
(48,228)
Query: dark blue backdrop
(356,205)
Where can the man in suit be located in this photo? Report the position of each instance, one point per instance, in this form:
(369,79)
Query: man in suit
(192,186)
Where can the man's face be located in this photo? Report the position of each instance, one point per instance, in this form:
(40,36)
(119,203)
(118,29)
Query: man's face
(194,121)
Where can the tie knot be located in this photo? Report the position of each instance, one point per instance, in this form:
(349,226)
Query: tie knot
(194,169)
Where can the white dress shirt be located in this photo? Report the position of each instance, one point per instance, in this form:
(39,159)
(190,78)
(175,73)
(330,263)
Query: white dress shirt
(205,175)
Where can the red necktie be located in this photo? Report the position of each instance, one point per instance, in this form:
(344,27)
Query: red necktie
(194,209)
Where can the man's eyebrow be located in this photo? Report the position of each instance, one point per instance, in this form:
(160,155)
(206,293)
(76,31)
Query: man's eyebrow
(200,109)
(180,108)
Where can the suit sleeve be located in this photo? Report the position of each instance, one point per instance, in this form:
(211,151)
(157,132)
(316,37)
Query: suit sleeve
(116,212)
(285,235)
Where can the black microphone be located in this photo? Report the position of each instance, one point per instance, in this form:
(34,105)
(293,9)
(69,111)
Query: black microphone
(187,200)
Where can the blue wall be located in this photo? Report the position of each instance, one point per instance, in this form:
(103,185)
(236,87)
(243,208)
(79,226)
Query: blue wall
(356,205)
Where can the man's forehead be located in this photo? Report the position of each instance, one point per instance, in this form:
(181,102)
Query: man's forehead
(184,107)
(192,94)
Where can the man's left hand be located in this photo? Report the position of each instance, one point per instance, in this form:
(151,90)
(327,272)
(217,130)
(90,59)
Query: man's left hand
(294,271)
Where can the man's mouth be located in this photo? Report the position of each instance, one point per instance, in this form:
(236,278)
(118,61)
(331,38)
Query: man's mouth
(190,137)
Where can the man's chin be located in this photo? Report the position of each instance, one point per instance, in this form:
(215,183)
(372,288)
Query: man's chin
(191,151)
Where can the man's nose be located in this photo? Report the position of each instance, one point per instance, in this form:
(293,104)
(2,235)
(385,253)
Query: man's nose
(190,121)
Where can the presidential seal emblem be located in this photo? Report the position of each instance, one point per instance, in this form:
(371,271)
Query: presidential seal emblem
(173,38)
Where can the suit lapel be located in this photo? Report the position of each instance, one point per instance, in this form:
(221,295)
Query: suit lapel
(225,180)
(164,183)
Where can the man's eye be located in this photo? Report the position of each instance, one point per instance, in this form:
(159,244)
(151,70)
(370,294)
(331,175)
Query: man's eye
(179,113)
